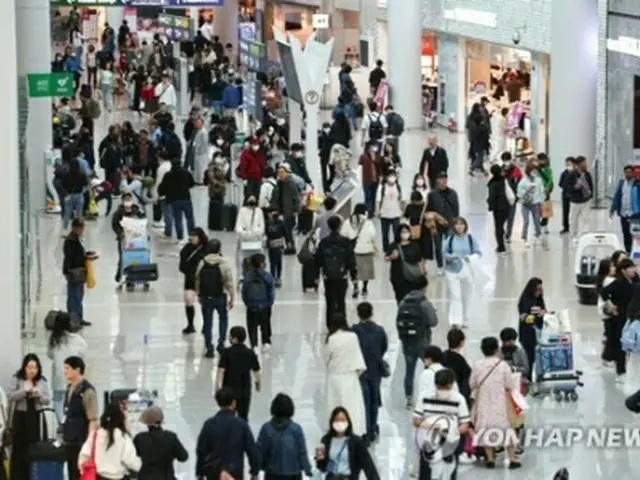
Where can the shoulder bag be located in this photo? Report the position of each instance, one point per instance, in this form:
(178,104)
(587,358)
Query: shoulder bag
(354,241)
(412,272)
(89,470)
(77,275)
(416,230)
(474,393)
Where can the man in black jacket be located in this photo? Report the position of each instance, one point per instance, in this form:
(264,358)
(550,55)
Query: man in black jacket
(126,209)
(443,201)
(176,188)
(336,260)
(580,191)
(74,269)
(286,200)
(434,161)
(223,442)
(376,76)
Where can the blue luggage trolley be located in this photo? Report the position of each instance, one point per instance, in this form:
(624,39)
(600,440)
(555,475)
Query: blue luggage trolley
(136,265)
(555,371)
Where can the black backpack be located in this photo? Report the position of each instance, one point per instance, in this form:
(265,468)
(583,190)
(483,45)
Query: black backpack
(396,124)
(450,245)
(376,130)
(255,290)
(410,318)
(211,281)
(334,263)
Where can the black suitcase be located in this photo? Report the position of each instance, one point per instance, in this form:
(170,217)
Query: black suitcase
(228,217)
(305,221)
(310,277)
(142,273)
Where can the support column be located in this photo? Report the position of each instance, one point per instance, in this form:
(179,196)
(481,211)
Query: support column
(34,56)
(114,17)
(539,114)
(405,34)
(369,29)
(572,119)
(452,68)
(225,23)
(10,197)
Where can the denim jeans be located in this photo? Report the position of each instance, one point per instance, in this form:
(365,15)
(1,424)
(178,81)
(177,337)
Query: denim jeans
(371,394)
(210,305)
(370,197)
(275,262)
(510,219)
(167,215)
(386,225)
(179,208)
(217,107)
(533,210)
(75,296)
(73,207)
(105,89)
(410,360)
(478,161)
(58,402)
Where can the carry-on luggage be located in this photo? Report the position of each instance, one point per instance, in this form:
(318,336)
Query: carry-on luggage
(214,215)
(305,221)
(310,277)
(230,207)
(49,455)
(554,367)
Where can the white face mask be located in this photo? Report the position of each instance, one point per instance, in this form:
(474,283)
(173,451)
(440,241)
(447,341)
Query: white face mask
(127,204)
(569,167)
(246,144)
(420,183)
(326,130)
(220,142)
(405,235)
(255,148)
(340,427)
(280,121)
(264,104)
(391,179)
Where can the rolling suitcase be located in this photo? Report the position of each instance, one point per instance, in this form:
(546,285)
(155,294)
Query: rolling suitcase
(229,212)
(142,273)
(48,456)
(310,277)
(305,221)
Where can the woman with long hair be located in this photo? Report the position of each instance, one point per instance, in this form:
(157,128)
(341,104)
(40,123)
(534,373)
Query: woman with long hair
(190,256)
(30,394)
(606,274)
(345,363)
(531,311)
(64,342)
(402,253)
(110,446)
(342,453)
(362,233)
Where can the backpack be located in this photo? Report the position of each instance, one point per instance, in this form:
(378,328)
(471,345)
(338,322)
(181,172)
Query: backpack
(334,263)
(211,281)
(450,246)
(255,291)
(630,338)
(396,124)
(409,319)
(94,109)
(376,130)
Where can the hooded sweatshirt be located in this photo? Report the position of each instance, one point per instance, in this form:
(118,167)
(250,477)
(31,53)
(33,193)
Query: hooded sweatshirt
(225,269)
(286,446)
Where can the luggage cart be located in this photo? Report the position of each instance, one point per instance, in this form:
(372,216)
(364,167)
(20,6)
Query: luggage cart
(136,265)
(554,369)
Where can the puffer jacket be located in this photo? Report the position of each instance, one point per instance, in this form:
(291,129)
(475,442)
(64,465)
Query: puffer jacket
(216,179)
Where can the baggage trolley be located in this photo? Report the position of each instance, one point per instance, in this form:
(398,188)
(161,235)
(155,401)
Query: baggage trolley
(554,368)
(135,248)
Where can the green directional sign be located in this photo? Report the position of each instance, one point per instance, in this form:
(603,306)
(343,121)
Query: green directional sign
(50,85)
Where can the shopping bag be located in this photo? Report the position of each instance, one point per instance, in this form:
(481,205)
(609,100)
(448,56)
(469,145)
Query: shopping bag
(90,267)
(514,412)
(88,470)
(519,401)
(93,206)
(481,279)
(314,200)
(546,209)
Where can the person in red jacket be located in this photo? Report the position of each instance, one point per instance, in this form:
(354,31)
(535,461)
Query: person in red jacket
(253,161)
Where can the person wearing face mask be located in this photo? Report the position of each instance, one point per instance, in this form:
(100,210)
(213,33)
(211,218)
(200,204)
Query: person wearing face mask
(324,146)
(362,233)
(389,207)
(457,250)
(531,196)
(513,175)
(132,184)
(499,203)
(403,252)
(296,161)
(342,454)
(390,159)
(200,146)
(371,162)
(563,183)
(250,228)
(626,204)
(286,200)
(128,208)
(546,175)
(252,164)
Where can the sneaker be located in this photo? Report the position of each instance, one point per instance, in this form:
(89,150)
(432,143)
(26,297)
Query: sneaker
(209,353)
(278,283)
(364,292)
(564,231)
(545,231)
(220,347)
(621,378)
(574,240)
(188,330)
(266,347)
(466,459)
(256,350)
(527,244)
(507,240)
(441,272)
(409,402)
(84,323)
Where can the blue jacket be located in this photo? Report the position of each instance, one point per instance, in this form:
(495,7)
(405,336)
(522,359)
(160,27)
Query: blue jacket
(259,303)
(616,203)
(283,449)
(71,64)
(232,96)
(373,343)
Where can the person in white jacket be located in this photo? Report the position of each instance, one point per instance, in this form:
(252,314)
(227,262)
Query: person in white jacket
(250,226)
(362,232)
(531,194)
(161,211)
(266,188)
(63,343)
(200,147)
(166,93)
(114,454)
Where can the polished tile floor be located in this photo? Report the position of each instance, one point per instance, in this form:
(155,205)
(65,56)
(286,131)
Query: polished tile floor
(175,367)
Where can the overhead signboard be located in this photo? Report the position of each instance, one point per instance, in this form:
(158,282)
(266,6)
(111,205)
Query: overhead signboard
(175,27)
(138,3)
(50,85)
(252,55)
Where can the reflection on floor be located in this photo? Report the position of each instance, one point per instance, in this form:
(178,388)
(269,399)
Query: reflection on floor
(296,365)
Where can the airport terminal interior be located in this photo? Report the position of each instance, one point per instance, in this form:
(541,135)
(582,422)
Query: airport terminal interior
(136,339)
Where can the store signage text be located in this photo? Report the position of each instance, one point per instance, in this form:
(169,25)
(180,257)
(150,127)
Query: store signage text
(320,20)
(475,17)
(138,3)
(626,45)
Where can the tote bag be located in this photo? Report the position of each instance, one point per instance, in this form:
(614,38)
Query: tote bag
(89,471)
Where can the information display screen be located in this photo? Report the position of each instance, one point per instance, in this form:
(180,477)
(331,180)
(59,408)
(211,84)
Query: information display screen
(294,92)
(342,191)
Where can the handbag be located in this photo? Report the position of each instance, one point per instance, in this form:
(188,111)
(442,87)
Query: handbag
(416,230)
(514,412)
(90,268)
(89,470)
(546,209)
(77,275)
(412,272)
(474,393)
